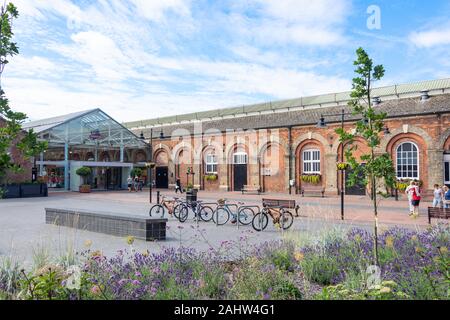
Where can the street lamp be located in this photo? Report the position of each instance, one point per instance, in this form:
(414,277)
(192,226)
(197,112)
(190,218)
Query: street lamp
(150,165)
(323,124)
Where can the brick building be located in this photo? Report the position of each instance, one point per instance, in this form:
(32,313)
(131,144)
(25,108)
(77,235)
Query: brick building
(274,145)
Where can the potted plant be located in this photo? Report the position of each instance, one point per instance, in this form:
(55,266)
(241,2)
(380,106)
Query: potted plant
(341,166)
(211,177)
(83,172)
(311,178)
(136,172)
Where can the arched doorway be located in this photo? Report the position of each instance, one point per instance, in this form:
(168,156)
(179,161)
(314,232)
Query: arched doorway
(360,148)
(240,167)
(162,170)
(273,169)
(447,162)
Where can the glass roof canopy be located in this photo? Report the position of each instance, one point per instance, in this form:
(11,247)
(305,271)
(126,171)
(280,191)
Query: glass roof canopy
(89,129)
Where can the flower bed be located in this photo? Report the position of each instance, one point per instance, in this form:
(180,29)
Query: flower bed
(414,265)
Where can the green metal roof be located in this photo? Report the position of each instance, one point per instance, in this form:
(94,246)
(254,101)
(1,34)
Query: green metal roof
(299,102)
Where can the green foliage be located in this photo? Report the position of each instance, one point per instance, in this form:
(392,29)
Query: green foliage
(249,283)
(83,171)
(136,172)
(11,133)
(386,291)
(44,284)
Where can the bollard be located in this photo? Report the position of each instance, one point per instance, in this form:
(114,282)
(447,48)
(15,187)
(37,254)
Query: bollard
(158,193)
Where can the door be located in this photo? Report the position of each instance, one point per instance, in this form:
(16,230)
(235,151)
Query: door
(447,169)
(162,178)
(358,189)
(239,171)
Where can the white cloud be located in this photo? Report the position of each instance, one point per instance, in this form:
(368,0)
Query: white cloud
(156,9)
(431,38)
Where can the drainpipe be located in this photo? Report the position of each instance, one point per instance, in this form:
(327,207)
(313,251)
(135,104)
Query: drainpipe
(290,158)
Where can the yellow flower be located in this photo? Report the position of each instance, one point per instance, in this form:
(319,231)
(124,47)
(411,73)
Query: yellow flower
(389,283)
(146,253)
(418,249)
(277,225)
(390,241)
(414,238)
(385,290)
(443,250)
(88,243)
(357,238)
(130,240)
(97,253)
(299,256)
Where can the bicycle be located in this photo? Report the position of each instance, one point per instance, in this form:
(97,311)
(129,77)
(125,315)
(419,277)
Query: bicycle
(279,216)
(200,210)
(223,213)
(158,210)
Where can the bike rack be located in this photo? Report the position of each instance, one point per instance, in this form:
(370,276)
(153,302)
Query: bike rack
(247,207)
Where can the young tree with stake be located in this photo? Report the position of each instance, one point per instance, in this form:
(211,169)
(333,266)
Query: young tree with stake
(378,167)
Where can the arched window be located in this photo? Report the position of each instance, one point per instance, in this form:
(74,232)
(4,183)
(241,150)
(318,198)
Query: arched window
(240,158)
(408,161)
(211,163)
(311,161)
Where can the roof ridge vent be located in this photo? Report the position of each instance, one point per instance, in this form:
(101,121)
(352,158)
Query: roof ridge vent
(424,95)
(376,101)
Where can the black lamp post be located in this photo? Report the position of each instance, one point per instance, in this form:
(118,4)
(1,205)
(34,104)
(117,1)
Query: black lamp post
(322,124)
(150,165)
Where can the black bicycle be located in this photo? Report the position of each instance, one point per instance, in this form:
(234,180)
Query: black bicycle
(201,211)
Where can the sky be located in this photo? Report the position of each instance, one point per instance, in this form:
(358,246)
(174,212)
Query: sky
(142,59)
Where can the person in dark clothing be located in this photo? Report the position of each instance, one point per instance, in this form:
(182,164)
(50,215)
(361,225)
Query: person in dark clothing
(178,186)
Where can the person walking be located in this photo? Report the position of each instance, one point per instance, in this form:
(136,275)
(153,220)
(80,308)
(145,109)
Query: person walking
(129,183)
(178,186)
(438,196)
(446,191)
(136,184)
(409,193)
(415,199)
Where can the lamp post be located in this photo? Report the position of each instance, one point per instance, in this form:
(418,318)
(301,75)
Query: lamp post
(150,165)
(322,124)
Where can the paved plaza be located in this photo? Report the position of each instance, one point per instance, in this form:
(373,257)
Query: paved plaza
(24,232)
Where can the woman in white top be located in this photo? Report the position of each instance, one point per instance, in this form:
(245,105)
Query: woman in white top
(409,192)
(438,196)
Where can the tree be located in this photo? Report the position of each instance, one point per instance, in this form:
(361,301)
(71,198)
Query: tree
(379,168)
(11,133)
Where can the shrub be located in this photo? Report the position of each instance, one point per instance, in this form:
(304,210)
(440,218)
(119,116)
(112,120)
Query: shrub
(84,171)
(136,172)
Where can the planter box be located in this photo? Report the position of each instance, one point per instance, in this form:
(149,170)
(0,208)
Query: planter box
(15,191)
(85,189)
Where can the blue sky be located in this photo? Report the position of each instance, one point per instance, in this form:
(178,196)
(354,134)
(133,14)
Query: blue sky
(139,59)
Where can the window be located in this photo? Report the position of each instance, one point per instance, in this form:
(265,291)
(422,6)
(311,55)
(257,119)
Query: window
(211,163)
(311,161)
(240,158)
(408,161)
(447,169)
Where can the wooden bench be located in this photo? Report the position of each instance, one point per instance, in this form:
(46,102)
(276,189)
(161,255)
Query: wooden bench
(116,224)
(313,191)
(438,213)
(281,203)
(251,189)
